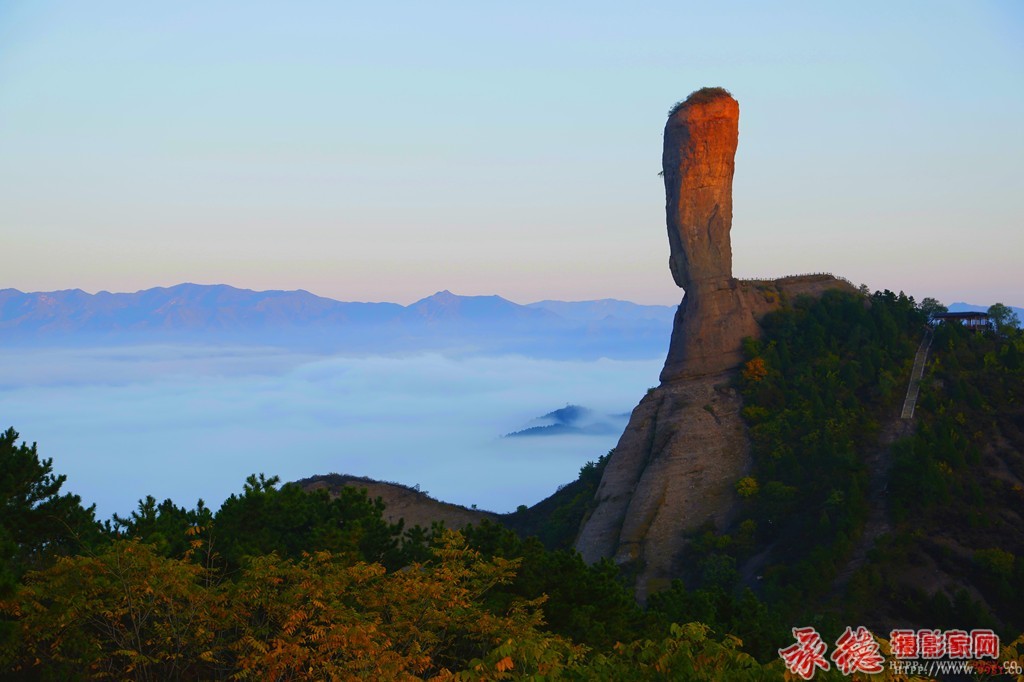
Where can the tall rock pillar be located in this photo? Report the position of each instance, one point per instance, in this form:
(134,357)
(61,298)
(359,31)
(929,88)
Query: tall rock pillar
(684,447)
(698,162)
(676,465)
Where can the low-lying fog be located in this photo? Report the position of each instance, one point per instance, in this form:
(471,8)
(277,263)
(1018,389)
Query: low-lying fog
(189,423)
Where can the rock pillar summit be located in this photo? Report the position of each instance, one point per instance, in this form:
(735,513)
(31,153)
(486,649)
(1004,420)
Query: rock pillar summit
(698,163)
(676,465)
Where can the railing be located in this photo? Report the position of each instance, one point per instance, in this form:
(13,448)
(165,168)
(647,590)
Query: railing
(914,387)
(805,274)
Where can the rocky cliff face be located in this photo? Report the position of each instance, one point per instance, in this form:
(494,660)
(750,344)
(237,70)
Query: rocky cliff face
(675,466)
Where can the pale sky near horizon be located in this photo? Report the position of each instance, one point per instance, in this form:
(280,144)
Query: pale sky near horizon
(385,151)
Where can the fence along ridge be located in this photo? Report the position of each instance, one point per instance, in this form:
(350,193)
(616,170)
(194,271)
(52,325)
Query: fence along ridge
(803,274)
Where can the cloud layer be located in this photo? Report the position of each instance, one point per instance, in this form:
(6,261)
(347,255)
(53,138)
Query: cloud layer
(192,422)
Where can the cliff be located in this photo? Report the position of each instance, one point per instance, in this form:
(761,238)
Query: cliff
(685,446)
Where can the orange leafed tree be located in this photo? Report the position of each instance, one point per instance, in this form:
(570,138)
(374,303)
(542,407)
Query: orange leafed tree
(322,618)
(128,613)
(755,370)
(125,613)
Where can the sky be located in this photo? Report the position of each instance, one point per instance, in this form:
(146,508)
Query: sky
(385,151)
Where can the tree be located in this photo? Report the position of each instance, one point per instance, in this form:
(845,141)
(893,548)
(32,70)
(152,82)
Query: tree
(755,370)
(165,526)
(266,518)
(689,652)
(1003,317)
(123,613)
(129,613)
(932,307)
(35,519)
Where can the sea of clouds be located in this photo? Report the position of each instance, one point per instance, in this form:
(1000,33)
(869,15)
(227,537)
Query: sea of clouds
(193,422)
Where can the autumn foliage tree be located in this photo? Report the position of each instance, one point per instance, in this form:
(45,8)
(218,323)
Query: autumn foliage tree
(754,370)
(322,618)
(125,613)
(129,613)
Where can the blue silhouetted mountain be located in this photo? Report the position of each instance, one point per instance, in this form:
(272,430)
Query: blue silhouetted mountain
(572,419)
(961,307)
(445,307)
(179,310)
(194,313)
(607,308)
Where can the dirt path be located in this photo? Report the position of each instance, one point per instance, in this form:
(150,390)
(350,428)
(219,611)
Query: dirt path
(878,460)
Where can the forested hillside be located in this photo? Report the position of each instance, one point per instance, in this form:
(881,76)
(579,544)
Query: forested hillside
(956,550)
(280,583)
(852,515)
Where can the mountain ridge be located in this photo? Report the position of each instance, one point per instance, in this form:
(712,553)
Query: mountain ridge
(220,313)
(13,301)
(305,305)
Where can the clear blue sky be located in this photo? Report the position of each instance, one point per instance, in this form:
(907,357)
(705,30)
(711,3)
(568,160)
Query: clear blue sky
(383,151)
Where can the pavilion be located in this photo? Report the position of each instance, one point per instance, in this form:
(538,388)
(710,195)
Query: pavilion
(972,320)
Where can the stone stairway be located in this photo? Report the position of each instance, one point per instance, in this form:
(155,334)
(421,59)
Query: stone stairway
(914,387)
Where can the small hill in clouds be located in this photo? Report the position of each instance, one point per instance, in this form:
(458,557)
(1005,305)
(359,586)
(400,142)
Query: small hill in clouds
(572,419)
(194,313)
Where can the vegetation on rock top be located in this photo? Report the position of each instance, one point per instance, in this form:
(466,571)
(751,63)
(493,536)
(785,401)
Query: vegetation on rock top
(699,97)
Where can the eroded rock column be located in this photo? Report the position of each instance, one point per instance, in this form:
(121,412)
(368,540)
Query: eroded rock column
(676,465)
(698,162)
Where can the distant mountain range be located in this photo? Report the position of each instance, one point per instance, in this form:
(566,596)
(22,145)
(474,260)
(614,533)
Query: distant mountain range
(194,313)
(198,313)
